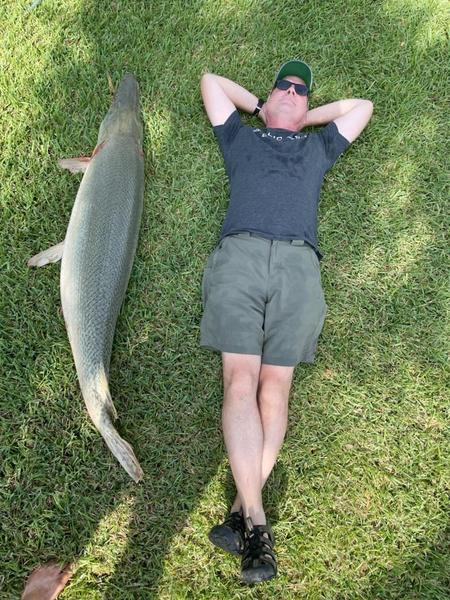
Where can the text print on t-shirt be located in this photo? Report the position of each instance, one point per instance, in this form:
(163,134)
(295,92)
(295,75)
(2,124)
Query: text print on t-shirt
(280,138)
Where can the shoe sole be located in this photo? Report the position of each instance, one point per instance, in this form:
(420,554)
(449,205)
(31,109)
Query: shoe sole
(225,541)
(256,577)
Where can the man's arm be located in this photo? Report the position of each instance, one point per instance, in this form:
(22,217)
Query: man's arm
(221,97)
(351,116)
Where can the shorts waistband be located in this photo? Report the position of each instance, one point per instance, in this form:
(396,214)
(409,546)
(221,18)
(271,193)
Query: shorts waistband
(247,234)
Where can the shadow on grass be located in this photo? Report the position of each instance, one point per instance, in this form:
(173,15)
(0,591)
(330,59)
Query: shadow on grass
(166,391)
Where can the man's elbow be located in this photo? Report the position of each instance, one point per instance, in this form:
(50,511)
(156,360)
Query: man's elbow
(207,82)
(365,110)
(369,106)
(206,77)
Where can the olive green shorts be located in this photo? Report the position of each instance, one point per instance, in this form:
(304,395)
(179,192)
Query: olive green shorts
(263,297)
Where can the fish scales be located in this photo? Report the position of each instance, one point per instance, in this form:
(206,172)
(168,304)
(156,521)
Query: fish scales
(99,250)
(97,256)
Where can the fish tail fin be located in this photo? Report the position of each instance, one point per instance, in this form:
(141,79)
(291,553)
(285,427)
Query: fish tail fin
(103,412)
(122,450)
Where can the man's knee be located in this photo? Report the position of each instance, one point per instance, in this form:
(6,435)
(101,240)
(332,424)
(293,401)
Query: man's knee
(241,374)
(275,376)
(274,384)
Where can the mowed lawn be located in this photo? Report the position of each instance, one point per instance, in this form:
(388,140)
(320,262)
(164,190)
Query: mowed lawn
(359,498)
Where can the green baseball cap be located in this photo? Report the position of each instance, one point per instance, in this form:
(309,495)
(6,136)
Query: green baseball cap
(298,68)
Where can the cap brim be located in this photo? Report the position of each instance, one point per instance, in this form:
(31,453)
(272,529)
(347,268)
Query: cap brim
(297,68)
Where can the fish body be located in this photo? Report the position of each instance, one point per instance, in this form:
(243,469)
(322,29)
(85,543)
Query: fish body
(97,258)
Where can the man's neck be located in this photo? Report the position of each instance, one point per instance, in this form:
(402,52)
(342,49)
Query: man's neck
(276,122)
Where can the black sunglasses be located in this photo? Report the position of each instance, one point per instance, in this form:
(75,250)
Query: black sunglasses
(285,84)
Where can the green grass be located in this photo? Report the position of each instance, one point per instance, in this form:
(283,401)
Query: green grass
(359,498)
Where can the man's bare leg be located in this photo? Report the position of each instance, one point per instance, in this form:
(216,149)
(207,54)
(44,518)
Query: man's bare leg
(243,430)
(273,395)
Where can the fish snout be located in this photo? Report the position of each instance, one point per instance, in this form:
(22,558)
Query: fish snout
(127,94)
(123,117)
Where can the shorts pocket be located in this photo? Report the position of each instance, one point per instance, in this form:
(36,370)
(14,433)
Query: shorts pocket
(210,260)
(205,284)
(314,259)
(207,272)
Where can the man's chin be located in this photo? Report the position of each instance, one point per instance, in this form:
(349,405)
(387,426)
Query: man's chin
(288,109)
(288,113)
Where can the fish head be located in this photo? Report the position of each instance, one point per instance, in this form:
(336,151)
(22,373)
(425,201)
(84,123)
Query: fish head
(123,117)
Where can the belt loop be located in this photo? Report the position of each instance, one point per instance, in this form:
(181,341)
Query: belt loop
(297,242)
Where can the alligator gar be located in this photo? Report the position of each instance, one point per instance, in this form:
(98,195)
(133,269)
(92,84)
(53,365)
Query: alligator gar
(97,256)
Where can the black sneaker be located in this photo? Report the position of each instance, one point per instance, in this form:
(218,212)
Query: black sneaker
(258,560)
(229,535)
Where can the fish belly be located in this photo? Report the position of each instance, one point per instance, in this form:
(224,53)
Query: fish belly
(99,249)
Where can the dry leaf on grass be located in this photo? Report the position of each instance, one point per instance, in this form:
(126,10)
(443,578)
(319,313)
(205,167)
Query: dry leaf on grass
(46,582)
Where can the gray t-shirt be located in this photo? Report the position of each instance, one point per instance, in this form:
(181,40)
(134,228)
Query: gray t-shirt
(275,178)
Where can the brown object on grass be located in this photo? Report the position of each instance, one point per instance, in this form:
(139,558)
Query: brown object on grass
(46,582)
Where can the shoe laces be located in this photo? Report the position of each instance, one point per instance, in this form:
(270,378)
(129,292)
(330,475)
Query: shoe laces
(234,520)
(257,535)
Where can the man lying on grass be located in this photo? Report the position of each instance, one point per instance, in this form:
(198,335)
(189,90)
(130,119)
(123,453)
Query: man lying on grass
(263,302)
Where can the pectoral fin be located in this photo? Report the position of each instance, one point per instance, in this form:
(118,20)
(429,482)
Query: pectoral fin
(111,86)
(75,165)
(51,255)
